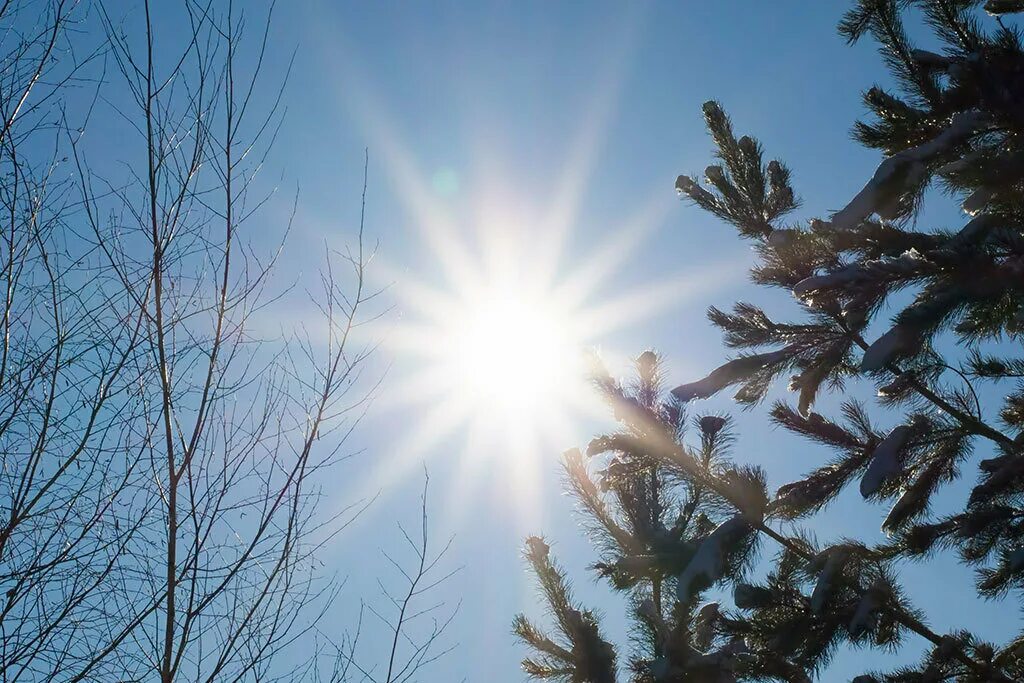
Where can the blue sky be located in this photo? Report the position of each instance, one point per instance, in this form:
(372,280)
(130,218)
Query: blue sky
(593,108)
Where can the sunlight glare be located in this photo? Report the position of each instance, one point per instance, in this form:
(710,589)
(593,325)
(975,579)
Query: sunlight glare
(496,318)
(512,355)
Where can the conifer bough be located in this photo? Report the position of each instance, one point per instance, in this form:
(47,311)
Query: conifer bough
(673,517)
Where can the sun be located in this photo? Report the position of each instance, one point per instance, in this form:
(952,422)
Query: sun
(512,354)
(497,351)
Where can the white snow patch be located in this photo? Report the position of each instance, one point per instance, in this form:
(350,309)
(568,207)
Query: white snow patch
(907,262)
(686,185)
(746,596)
(896,342)
(836,556)
(885,461)
(889,178)
(730,373)
(927,58)
(781,237)
(970,232)
(709,561)
(977,201)
(865,617)
(836,278)
(1016,560)
(704,625)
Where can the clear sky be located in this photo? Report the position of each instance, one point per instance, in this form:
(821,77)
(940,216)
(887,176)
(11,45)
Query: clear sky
(555,131)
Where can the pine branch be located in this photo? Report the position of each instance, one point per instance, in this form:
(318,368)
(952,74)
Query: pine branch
(974,424)
(674,456)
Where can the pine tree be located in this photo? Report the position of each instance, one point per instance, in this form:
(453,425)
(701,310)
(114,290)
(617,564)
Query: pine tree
(674,518)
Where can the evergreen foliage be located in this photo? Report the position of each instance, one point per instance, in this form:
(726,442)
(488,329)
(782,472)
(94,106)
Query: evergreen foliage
(673,517)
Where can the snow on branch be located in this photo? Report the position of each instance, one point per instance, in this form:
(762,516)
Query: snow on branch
(891,176)
(885,461)
(708,564)
(732,372)
(906,263)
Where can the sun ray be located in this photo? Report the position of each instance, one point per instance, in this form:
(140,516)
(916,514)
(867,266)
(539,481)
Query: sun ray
(432,426)
(642,303)
(492,331)
(614,252)
(602,105)
(433,223)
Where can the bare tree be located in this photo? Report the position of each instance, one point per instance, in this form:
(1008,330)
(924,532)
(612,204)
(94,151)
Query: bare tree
(68,373)
(413,622)
(159,463)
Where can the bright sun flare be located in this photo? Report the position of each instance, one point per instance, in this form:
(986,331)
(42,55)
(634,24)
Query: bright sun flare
(491,351)
(512,356)
(499,356)
(495,322)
